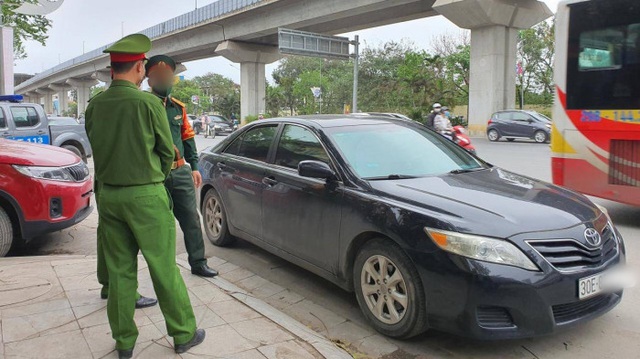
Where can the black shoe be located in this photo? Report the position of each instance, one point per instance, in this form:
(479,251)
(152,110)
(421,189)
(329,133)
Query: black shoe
(125,354)
(104,296)
(197,339)
(204,271)
(145,302)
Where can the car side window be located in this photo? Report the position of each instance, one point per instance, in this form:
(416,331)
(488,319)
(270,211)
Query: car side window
(520,117)
(3,119)
(503,116)
(24,116)
(299,144)
(256,142)
(234,147)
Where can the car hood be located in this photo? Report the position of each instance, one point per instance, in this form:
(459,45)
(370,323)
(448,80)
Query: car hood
(29,154)
(491,202)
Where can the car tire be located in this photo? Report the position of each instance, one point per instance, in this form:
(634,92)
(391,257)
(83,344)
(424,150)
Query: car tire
(511,139)
(215,220)
(76,151)
(540,137)
(493,135)
(409,316)
(6,233)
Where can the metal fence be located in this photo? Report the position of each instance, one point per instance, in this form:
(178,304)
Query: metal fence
(193,18)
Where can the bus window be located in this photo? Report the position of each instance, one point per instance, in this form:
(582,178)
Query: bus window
(601,49)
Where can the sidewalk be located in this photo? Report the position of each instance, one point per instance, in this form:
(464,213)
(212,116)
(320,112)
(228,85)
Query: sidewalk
(50,307)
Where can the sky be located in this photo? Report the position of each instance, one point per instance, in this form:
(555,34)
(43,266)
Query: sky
(84,25)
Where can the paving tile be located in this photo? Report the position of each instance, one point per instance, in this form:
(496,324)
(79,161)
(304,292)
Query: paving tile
(249,354)
(284,299)
(82,281)
(215,262)
(82,297)
(69,345)
(206,318)
(99,338)
(314,316)
(348,332)
(222,342)
(41,324)
(58,302)
(191,280)
(252,282)
(226,268)
(75,269)
(232,311)
(237,275)
(375,346)
(261,331)
(287,350)
(18,289)
(266,290)
(91,315)
(209,293)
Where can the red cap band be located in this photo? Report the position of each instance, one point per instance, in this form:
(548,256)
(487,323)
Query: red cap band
(120,57)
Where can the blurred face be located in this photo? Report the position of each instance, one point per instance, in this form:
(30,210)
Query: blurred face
(161,80)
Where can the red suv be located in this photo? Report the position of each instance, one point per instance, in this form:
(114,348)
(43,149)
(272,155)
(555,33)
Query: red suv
(42,189)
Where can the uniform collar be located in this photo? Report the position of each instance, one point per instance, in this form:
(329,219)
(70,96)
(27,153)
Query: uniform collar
(124,83)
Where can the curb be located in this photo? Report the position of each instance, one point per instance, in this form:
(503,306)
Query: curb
(323,345)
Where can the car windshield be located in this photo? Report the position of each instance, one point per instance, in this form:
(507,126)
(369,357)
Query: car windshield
(394,151)
(220,120)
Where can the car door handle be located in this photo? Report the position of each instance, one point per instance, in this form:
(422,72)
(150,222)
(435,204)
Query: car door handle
(269,181)
(222,165)
(41,132)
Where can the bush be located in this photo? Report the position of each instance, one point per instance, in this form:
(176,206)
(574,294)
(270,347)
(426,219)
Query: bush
(250,118)
(459,121)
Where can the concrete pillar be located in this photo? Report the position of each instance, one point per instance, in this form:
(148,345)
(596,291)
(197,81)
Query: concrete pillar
(6,61)
(32,97)
(83,87)
(63,96)
(47,94)
(494,28)
(103,76)
(252,59)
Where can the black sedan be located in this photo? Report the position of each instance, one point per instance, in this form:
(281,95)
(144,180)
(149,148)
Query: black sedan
(426,234)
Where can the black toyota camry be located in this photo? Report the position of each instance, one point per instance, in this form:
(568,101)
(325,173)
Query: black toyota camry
(425,234)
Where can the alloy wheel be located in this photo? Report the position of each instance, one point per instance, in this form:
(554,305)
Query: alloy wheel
(213,216)
(384,289)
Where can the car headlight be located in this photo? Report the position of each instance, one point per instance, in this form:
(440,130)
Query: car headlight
(48,173)
(481,248)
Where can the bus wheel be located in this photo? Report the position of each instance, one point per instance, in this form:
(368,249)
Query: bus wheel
(493,135)
(540,137)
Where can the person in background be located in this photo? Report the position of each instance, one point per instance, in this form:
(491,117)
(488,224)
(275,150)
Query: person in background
(437,108)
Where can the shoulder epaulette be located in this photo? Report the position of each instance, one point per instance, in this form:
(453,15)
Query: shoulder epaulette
(178,102)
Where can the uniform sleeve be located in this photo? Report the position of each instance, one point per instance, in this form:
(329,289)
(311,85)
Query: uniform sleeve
(164,143)
(189,142)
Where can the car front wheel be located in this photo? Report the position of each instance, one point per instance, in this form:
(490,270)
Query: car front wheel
(6,232)
(215,220)
(493,135)
(389,290)
(540,137)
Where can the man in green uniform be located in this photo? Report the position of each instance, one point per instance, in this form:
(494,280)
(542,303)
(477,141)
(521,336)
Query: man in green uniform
(133,154)
(183,180)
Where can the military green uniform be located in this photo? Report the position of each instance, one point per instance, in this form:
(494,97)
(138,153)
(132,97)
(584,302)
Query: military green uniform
(180,184)
(133,154)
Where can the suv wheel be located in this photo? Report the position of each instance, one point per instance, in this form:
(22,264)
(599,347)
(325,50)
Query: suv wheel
(493,135)
(6,232)
(75,151)
(389,290)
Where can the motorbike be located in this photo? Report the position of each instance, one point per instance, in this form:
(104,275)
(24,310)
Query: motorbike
(462,139)
(209,130)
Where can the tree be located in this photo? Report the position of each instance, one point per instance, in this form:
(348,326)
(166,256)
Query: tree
(535,55)
(25,27)
(184,90)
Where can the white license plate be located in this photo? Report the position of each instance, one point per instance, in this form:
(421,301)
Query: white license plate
(589,286)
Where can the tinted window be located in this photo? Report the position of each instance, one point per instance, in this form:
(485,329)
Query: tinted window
(503,116)
(256,143)
(379,151)
(299,144)
(25,116)
(3,120)
(234,147)
(603,57)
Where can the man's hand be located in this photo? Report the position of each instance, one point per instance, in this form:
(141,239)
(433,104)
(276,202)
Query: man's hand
(197,178)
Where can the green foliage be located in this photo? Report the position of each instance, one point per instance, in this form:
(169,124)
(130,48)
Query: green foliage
(184,90)
(250,118)
(536,54)
(72,110)
(25,27)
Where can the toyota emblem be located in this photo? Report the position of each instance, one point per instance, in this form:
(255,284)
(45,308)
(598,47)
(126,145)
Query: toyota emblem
(592,237)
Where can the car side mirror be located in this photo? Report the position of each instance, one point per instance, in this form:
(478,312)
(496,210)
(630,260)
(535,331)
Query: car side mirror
(315,169)
(530,120)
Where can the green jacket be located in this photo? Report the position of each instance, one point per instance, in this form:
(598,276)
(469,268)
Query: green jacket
(129,135)
(181,131)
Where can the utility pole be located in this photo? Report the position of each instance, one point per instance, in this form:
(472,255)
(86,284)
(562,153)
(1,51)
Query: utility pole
(356,59)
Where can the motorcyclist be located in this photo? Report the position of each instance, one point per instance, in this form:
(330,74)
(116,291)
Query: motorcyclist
(442,124)
(437,108)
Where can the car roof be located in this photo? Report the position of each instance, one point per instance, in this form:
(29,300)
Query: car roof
(338,120)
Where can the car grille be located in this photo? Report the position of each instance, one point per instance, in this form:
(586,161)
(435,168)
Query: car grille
(569,255)
(563,313)
(494,317)
(79,172)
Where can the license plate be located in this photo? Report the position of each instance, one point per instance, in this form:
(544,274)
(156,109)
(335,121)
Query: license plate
(589,286)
